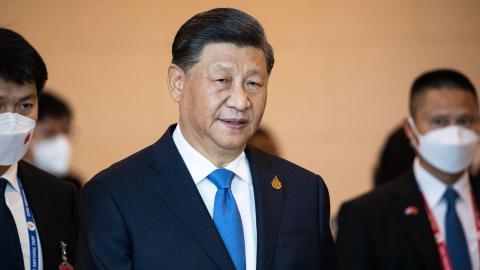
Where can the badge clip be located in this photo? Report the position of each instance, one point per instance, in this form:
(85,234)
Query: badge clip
(65,265)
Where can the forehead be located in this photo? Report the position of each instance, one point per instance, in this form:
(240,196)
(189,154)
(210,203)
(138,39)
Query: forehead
(228,56)
(55,124)
(446,101)
(9,89)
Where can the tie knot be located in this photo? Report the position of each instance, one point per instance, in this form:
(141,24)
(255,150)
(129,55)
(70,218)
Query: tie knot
(450,195)
(222,178)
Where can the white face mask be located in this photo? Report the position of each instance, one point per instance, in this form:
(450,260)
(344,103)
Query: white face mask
(450,149)
(53,155)
(16,132)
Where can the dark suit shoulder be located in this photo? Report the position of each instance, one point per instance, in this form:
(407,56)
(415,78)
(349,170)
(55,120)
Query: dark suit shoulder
(376,199)
(126,169)
(54,203)
(277,164)
(43,179)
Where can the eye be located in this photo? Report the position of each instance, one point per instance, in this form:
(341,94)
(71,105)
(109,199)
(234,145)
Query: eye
(25,107)
(222,82)
(465,121)
(253,84)
(439,121)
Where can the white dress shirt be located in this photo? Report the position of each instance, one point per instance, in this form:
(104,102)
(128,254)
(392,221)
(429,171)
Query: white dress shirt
(200,167)
(14,201)
(433,190)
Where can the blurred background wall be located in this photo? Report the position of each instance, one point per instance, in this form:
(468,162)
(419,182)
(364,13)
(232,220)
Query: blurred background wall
(339,85)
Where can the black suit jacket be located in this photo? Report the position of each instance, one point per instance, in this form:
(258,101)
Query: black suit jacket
(374,232)
(54,204)
(145,212)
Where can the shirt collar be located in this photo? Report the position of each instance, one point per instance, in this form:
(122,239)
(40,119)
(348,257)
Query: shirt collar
(200,167)
(11,176)
(433,188)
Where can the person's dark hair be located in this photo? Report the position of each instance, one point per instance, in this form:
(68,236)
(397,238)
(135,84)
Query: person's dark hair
(19,61)
(215,26)
(50,105)
(439,79)
(264,139)
(396,158)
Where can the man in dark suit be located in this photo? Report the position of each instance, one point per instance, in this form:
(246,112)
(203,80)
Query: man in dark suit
(425,219)
(38,212)
(199,198)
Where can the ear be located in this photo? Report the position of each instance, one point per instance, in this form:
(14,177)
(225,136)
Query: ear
(407,128)
(176,79)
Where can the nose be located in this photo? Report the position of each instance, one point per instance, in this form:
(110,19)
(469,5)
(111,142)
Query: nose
(239,98)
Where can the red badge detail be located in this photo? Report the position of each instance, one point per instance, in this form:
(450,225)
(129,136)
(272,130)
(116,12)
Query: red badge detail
(27,139)
(411,211)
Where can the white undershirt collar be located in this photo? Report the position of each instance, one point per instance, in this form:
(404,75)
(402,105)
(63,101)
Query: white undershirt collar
(433,188)
(200,167)
(11,176)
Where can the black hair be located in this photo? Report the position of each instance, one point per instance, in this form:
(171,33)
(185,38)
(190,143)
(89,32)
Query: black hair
(264,139)
(50,105)
(396,158)
(19,61)
(439,79)
(214,26)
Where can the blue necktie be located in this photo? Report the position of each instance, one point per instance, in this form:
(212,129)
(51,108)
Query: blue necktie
(227,218)
(456,242)
(11,257)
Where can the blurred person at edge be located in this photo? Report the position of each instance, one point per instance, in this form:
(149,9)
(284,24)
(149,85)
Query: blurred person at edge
(395,158)
(200,197)
(38,212)
(51,149)
(263,139)
(428,217)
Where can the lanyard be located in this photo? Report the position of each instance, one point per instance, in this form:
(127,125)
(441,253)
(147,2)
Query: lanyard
(442,247)
(32,230)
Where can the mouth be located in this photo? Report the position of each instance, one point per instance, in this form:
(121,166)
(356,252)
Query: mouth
(235,124)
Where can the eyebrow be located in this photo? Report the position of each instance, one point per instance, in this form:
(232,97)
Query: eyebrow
(227,67)
(25,97)
(29,96)
(255,72)
(220,67)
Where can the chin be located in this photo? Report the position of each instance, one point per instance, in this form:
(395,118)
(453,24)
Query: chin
(233,145)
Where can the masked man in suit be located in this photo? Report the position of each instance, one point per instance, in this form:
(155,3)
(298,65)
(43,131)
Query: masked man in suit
(38,212)
(200,198)
(427,218)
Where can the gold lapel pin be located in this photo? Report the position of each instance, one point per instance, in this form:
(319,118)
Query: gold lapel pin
(276,183)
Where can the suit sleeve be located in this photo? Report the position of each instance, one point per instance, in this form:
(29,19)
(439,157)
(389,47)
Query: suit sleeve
(103,242)
(353,245)
(75,207)
(328,246)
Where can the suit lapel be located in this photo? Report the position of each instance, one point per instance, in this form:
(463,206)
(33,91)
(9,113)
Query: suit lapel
(417,225)
(268,207)
(474,182)
(170,178)
(41,207)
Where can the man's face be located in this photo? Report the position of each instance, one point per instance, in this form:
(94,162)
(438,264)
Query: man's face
(441,108)
(222,97)
(21,99)
(50,127)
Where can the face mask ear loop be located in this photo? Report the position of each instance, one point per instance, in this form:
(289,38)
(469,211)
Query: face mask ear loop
(414,129)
